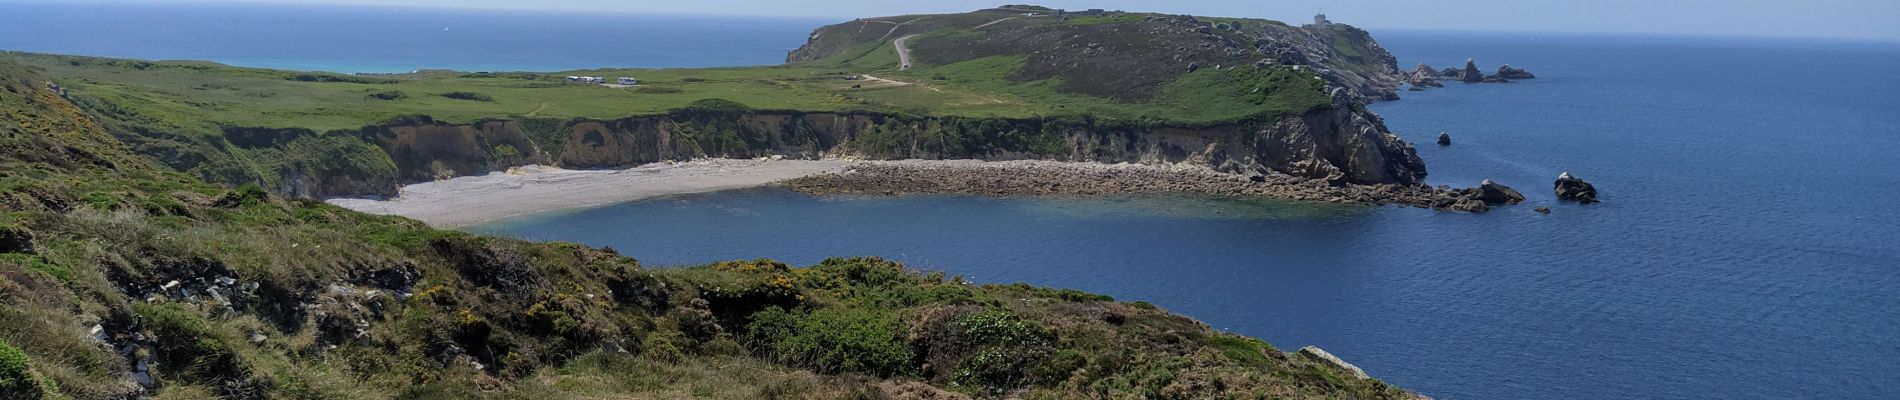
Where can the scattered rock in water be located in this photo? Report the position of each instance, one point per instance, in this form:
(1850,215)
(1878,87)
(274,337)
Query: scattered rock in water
(1542,210)
(1471,73)
(1496,193)
(1316,354)
(1444,139)
(1507,72)
(1423,77)
(1572,188)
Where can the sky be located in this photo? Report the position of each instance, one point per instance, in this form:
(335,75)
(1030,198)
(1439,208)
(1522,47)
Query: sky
(1856,19)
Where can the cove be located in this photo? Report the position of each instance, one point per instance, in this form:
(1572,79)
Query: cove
(1744,249)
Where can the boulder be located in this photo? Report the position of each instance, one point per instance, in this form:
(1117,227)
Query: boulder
(1496,193)
(1542,210)
(1315,354)
(1471,73)
(1423,77)
(1572,188)
(1444,139)
(1507,72)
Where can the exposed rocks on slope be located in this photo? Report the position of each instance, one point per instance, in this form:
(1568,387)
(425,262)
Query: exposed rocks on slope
(1575,189)
(1316,354)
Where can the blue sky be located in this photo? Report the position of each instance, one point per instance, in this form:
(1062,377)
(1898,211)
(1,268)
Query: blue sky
(1864,19)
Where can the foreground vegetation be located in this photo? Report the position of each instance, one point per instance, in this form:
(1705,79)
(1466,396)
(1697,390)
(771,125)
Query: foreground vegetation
(116,269)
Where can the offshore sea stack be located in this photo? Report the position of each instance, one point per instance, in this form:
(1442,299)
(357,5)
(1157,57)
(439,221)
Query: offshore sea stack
(1423,77)
(1507,72)
(1469,74)
(1497,193)
(1572,188)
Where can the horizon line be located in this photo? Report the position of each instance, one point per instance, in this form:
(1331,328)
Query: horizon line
(565,10)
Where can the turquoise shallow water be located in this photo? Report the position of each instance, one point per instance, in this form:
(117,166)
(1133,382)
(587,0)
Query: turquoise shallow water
(1746,248)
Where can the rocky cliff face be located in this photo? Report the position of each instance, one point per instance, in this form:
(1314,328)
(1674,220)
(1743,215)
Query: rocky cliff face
(1342,143)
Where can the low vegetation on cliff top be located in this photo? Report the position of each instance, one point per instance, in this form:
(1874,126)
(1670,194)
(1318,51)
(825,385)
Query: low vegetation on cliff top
(988,63)
(119,276)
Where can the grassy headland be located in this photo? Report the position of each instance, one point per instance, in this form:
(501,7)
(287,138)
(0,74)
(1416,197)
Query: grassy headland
(120,277)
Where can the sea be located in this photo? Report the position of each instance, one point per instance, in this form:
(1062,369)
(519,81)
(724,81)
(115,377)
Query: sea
(1747,246)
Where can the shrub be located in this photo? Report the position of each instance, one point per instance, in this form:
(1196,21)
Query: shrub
(1011,348)
(327,78)
(471,96)
(17,380)
(717,105)
(657,89)
(389,95)
(835,340)
(192,349)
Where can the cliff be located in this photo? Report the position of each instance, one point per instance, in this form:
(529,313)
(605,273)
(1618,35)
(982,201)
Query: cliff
(1339,143)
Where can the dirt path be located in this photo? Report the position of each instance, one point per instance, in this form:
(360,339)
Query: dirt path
(903,53)
(537,110)
(882,82)
(994,22)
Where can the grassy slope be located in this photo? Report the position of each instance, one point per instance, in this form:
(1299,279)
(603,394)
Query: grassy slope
(358,306)
(200,96)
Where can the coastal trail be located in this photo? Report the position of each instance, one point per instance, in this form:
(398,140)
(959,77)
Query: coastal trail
(903,52)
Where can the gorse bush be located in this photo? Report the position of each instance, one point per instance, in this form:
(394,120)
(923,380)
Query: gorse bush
(835,340)
(17,381)
(471,96)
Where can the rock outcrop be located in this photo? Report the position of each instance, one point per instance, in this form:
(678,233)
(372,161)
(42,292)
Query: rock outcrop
(1316,354)
(1469,74)
(1572,188)
(1444,139)
(1423,77)
(1341,143)
(1497,193)
(1507,72)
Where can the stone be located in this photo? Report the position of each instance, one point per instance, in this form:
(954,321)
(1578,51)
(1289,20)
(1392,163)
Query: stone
(1471,73)
(1423,76)
(1496,193)
(1572,188)
(1444,139)
(1507,72)
(1542,210)
(1318,355)
(1194,67)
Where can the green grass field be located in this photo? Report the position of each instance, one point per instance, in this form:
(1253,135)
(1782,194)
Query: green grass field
(194,96)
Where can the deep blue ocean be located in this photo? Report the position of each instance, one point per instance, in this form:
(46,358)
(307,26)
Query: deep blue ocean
(395,39)
(1748,246)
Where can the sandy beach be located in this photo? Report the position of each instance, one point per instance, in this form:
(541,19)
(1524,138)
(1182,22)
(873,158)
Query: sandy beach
(472,200)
